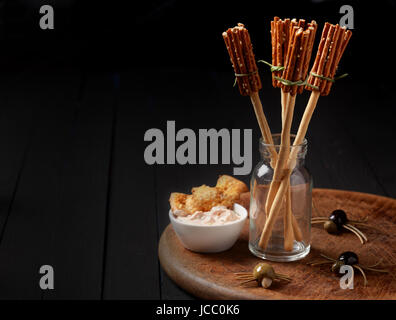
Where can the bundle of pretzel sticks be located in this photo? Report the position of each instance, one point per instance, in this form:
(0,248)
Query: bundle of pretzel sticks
(292,45)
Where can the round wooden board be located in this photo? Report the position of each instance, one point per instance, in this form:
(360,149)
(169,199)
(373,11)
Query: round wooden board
(211,276)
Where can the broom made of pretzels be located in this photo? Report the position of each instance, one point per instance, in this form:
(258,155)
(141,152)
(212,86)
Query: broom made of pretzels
(240,49)
(332,45)
(292,44)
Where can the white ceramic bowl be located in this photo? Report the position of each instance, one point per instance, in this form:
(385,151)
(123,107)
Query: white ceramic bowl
(209,238)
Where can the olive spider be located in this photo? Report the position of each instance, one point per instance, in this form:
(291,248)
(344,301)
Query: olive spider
(349,258)
(263,273)
(338,221)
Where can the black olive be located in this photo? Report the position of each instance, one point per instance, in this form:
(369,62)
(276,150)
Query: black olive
(349,258)
(339,218)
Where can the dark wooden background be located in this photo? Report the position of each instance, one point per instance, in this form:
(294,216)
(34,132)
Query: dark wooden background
(75,192)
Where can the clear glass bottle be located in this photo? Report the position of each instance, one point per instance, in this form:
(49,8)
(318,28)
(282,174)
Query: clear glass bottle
(301,206)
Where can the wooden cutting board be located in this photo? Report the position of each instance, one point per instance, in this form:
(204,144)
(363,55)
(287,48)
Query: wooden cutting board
(211,276)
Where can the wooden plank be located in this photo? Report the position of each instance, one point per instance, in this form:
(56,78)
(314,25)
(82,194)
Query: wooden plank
(15,129)
(370,124)
(28,234)
(58,214)
(338,154)
(334,158)
(131,270)
(78,225)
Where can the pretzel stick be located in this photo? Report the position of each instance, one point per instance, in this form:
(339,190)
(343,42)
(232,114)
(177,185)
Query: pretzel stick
(320,58)
(277,59)
(301,53)
(273,47)
(285,37)
(279,47)
(312,27)
(330,56)
(301,23)
(291,58)
(293,23)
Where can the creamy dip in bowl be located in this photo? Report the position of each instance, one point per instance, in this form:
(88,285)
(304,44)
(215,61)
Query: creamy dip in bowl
(213,231)
(217,216)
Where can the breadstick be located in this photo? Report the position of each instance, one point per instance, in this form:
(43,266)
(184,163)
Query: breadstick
(287,222)
(266,234)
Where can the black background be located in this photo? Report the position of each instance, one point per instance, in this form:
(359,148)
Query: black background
(119,35)
(76,101)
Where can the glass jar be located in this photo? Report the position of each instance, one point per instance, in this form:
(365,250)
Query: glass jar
(300,202)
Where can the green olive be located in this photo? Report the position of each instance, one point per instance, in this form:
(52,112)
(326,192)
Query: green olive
(263,270)
(336,266)
(330,227)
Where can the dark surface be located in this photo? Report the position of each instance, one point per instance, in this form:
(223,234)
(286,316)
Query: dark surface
(76,101)
(77,194)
